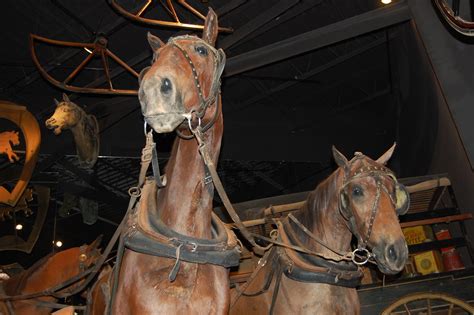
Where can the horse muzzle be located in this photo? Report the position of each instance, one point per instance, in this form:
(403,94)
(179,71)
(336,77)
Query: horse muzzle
(166,122)
(391,257)
(51,123)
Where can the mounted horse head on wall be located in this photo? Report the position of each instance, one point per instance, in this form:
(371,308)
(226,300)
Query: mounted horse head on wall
(84,128)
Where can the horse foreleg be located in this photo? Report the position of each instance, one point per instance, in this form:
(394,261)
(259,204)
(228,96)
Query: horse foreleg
(12,156)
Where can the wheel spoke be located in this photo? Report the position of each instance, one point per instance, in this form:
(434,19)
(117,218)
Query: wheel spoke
(451,307)
(406,309)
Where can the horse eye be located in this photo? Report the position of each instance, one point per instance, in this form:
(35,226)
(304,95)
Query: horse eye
(201,50)
(357,191)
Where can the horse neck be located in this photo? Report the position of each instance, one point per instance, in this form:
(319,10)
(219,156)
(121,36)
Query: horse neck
(185,204)
(78,129)
(322,217)
(45,273)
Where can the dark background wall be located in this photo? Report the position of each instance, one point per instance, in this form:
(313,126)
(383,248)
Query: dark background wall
(451,83)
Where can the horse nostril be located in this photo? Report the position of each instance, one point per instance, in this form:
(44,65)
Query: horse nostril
(392,253)
(166,86)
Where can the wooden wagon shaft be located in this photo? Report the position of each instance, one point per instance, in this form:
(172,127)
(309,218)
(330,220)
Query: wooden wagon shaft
(98,48)
(447,219)
(137,17)
(452,218)
(429,184)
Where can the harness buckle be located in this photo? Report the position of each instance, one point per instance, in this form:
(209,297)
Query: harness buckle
(207,180)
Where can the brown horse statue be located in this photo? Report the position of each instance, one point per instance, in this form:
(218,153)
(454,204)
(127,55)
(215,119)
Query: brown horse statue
(46,273)
(176,251)
(84,128)
(7,139)
(361,198)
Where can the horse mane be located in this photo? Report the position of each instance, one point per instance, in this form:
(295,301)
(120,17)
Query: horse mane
(320,201)
(15,284)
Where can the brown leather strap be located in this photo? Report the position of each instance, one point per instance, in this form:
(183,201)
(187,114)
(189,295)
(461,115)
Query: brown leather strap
(240,291)
(209,164)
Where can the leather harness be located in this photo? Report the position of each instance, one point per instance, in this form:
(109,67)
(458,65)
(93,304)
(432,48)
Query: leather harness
(151,236)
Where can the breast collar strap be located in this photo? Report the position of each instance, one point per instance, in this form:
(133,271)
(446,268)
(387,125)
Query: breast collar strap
(306,268)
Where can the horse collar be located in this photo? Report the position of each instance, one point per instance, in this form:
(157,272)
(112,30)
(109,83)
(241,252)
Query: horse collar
(306,268)
(152,236)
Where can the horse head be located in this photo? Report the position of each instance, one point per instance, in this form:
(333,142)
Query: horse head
(183,80)
(370,200)
(66,115)
(14,138)
(91,253)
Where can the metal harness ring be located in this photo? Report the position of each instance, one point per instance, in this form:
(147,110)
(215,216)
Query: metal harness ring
(135,191)
(365,254)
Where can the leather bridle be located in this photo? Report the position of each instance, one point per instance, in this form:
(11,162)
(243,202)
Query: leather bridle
(377,172)
(199,110)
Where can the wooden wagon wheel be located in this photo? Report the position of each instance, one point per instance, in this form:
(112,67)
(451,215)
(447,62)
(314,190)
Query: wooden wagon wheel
(96,49)
(451,15)
(413,304)
(170,9)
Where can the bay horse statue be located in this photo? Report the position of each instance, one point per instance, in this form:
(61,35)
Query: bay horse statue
(84,128)
(46,273)
(176,251)
(7,139)
(361,198)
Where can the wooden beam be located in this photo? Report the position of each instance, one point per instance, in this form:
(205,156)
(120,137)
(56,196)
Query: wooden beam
(429,184)
(321,68)
(229,6)
(304,6)
(318,38)
(451,218)
(257,22)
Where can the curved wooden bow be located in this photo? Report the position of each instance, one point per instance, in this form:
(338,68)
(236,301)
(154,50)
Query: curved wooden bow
(97,48)
(169,8)
(451,15)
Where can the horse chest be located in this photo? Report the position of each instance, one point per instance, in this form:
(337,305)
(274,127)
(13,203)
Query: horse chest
(314,298)
(198,289)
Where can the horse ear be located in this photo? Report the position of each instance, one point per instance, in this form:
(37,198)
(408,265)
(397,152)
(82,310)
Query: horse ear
(340,159)
(209,34)
(387,155)
(95,244)
(56,101)
(65,97)
(155,42)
